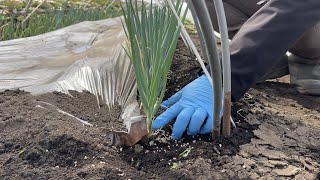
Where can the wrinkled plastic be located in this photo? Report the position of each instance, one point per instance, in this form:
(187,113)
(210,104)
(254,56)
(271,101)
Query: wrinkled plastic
(73,58)
(85,56)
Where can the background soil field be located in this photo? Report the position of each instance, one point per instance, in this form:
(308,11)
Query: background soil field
(277,137)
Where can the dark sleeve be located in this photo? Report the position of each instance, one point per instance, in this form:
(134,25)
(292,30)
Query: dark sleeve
(265,37)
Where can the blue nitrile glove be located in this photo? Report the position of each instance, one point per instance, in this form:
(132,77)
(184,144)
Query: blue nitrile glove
(191,106)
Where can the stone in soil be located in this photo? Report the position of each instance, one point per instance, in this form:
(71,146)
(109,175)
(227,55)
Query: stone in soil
(288,171)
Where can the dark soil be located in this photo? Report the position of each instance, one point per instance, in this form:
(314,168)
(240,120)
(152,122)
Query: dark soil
(277,137)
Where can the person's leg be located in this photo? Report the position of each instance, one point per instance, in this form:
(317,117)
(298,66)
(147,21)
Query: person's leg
(308,46)
(266,36)
(234,16)
(248,7)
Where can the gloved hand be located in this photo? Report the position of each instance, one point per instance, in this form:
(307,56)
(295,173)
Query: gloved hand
(191,106)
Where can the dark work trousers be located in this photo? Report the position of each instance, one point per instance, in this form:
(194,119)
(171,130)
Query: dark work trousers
(265,37)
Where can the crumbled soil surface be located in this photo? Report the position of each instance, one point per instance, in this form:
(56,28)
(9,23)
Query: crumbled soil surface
(277,137)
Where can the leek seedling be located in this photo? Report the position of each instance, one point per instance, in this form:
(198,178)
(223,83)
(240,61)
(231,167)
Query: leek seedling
(152,33)
(225,66)
(209,45)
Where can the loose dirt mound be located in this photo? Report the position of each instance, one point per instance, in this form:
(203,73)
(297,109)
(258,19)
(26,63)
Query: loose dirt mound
(39,143)
(277,137)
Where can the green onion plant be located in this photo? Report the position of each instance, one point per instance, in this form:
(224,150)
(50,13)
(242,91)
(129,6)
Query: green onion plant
(152,34)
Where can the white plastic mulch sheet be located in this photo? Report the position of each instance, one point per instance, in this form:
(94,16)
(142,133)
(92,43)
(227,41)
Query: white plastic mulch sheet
(86,56)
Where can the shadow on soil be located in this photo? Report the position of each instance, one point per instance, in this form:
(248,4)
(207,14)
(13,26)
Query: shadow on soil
(310,103)
(289,91)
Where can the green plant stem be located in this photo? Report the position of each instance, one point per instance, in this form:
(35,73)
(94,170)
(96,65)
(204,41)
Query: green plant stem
(152,33)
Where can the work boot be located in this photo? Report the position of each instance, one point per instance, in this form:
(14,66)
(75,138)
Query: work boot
(304,62)
(305,74)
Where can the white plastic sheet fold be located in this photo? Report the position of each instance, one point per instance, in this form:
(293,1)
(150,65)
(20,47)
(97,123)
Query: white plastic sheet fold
(85,56)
